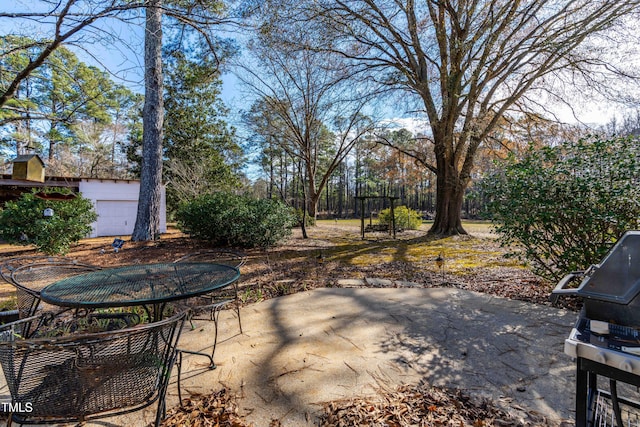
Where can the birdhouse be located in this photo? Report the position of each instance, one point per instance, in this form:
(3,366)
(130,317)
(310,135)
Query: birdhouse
(28,167)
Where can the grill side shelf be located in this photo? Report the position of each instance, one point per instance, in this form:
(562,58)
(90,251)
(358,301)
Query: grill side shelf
(607,350)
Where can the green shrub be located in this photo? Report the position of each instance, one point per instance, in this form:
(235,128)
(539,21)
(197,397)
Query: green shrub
(225,219)
(561,208)
(405,218)
(310,221)
(22,222)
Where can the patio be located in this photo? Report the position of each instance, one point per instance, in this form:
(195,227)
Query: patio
(301,350)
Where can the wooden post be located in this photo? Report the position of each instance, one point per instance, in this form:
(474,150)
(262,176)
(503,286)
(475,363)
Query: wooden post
(393,217)
(362,217)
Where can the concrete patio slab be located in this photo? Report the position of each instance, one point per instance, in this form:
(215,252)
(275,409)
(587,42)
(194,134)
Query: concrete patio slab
(352,283)
(381,283)
(301,350)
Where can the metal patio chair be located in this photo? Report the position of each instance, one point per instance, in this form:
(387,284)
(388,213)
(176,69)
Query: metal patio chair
(30,278)
(213,302)
(78,378)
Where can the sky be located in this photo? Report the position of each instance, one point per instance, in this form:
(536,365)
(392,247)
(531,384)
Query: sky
(123,58)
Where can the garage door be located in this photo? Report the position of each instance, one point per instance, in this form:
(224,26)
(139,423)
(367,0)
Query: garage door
(116,217)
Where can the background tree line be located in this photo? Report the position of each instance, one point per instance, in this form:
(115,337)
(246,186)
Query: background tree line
(84,124)
(85,23)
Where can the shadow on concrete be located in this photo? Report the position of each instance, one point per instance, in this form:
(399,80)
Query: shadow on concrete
(341,342)
(302,350)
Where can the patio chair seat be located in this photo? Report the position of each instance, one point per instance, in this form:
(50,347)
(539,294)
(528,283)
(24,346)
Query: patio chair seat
(93,386)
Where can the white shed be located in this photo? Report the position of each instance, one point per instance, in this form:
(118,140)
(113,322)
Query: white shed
(116,203)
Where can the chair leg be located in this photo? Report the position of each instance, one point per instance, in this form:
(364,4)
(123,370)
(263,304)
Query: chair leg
(238,312)
(179,367)
(161,412)
(34,306)
(215,316)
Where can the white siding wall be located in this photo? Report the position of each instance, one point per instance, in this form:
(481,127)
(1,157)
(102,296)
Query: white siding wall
(116,203)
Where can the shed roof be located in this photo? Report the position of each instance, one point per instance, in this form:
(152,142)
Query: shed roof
(27,157)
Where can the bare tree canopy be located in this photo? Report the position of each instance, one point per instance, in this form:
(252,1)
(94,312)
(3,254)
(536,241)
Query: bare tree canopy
(311,109)
(71,22)
(472,62)
(77,23)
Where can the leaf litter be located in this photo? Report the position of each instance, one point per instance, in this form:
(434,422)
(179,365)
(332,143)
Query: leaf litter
(419,405)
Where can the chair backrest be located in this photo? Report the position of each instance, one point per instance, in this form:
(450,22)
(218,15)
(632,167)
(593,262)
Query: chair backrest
(8,265)
(86,376)
(35,276)
(218,256)
(30,279)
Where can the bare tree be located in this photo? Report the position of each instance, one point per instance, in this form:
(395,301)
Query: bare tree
(76,23)
(189,179)
(470,63)
(73,22)
(311,111)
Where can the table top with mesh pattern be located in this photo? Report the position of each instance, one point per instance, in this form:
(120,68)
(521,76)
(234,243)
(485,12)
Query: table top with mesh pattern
(140,284)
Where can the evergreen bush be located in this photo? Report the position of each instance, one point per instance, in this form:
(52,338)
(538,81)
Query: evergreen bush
(225,219)
(22,222)
(406,218)
(310,221)
(561,208)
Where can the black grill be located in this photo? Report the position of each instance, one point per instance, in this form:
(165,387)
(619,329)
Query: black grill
(606,338)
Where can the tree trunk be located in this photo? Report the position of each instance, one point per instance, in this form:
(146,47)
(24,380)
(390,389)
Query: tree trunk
(449,196)
(341,191)
(327,198)
(312,201)
(303,225)
(148,219)
(271,171)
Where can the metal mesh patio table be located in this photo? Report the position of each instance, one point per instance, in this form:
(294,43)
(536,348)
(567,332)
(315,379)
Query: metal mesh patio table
(147,285)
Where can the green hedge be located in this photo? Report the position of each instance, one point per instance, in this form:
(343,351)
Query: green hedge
(225,219)
(22,222)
